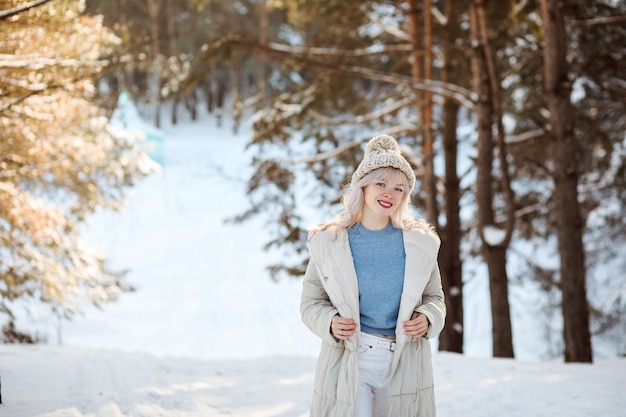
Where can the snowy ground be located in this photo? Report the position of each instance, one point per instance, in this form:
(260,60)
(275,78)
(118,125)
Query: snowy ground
(52,381)
(207,333)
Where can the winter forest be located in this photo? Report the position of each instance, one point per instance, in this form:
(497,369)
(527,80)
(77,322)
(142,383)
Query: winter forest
(512,113)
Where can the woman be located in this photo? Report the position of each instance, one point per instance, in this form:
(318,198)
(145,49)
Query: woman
(372,293)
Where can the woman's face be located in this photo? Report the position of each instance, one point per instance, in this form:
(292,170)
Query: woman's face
(383,197)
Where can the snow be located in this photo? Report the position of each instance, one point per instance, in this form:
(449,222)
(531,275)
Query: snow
(208,333)
(62,381)
(493,235)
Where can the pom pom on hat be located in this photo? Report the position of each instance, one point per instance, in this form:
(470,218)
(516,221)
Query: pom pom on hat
(382,143)
(383,151)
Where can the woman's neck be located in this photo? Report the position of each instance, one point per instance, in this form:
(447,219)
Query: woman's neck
(373,222)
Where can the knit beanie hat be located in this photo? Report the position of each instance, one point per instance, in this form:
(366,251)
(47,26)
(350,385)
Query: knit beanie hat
(382,151)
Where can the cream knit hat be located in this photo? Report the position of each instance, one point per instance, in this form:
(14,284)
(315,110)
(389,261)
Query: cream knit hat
(382,151)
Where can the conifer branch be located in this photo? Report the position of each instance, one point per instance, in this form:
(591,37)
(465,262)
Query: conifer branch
(307,57)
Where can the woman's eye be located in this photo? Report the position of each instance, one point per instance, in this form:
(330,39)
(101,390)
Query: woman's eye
(380,184)
(399,190)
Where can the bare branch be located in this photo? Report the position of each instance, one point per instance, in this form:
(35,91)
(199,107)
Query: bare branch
(394,131)
(5,14)
(615,84)
(454,92)
(327,121)
(327,155)
(523,137)
(608,20)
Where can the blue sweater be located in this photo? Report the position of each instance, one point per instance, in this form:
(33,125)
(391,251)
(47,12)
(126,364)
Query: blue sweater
(379,262)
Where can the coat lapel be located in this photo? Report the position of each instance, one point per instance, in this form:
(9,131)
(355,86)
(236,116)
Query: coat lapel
(417,268)
(347,274)
(340,281)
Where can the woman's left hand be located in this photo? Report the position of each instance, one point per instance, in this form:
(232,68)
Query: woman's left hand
(417,326)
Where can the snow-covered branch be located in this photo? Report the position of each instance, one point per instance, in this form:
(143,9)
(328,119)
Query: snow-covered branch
(359,52)
(400,34)
(5,14)
(519,7)
(493,236)
(39,62)
(389,29)
(25,84)
(439,17)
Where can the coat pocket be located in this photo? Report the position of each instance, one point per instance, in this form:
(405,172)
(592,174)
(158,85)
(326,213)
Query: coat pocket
(335,376)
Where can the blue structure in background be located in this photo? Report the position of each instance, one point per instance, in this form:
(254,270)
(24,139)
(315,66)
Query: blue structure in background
(126,116)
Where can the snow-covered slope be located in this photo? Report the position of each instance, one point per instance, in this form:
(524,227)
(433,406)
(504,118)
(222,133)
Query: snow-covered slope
(53,381)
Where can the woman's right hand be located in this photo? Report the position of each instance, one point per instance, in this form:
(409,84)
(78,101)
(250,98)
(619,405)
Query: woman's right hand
(341,328)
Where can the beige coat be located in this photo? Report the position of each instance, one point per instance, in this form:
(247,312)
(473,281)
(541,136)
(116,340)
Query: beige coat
(330,288)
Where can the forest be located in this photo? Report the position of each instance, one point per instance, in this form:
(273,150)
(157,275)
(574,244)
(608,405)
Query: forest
(512,113)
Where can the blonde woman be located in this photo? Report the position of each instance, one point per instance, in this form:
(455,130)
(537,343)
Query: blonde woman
(372,292)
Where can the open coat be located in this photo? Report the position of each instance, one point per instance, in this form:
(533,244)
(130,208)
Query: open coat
(330,288)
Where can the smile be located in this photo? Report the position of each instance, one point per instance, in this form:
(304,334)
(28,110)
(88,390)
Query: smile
(385,204)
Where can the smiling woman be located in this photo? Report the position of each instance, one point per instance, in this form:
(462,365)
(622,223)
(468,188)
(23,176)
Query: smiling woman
(372,292)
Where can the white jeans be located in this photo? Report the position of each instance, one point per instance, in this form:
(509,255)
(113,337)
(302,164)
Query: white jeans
(374,364)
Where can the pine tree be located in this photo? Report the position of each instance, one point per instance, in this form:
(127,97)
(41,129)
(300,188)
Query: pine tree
(60,160)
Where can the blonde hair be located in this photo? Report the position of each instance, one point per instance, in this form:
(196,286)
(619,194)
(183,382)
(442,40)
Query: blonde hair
(353,199)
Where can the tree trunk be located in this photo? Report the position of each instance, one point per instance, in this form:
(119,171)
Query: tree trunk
(170,43)
(264,31)
(235,90)
(494,88)
(494,252)
(428,136)
(565,155)
(451,338)
(154,10)
(421,67)
(126,79)
(174,115)
(500,310)
(123,9)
